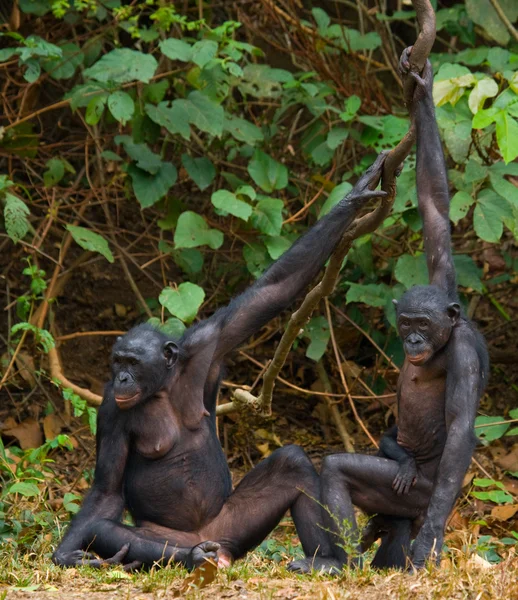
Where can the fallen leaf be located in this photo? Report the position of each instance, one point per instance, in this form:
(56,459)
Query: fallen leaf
(26,367)
(468,478)
(200,577)
(505,512)
(477,561)
(509,462)
(28,433)
(52,426)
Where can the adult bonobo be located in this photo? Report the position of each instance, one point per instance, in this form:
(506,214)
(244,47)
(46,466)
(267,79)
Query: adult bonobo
(158,454)
(414,482)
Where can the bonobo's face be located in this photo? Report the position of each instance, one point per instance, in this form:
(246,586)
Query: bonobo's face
(141,363)
(425,320)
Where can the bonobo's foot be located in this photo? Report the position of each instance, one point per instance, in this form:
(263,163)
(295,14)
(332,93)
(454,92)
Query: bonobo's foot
(365,186)
(316,563)
(78,558)
(201,553)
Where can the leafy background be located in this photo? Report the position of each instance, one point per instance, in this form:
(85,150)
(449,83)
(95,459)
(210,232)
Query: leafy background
(157,157)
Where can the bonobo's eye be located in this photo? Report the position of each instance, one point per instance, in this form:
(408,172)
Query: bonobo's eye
(423,325)
(404,324)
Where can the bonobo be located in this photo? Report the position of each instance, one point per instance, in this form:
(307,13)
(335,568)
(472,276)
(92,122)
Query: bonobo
(412,485)
(158,455)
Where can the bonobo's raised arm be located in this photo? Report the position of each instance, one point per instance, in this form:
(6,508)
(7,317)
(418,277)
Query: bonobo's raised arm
(432,183)
(290,274)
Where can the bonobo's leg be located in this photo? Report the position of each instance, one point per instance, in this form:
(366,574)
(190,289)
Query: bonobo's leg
(395,543)
(349,480)
(285,480)
(145,547)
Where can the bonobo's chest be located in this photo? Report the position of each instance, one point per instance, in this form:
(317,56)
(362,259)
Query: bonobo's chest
(154,428)
(421,408)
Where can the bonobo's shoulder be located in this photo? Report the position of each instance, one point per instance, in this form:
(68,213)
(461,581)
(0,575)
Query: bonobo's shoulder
(469,344)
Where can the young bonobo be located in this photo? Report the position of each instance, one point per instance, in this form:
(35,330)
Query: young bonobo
(414,482)
(158,454)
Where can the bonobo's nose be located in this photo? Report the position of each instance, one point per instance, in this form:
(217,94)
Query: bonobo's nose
(123,377)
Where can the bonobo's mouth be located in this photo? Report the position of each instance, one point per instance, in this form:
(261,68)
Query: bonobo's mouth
(125,402)
(419,359)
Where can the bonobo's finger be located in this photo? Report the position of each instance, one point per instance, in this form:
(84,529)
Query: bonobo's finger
(117,559)
(404,62)
(368,194)
(209,546)
(418,79)
(399,170)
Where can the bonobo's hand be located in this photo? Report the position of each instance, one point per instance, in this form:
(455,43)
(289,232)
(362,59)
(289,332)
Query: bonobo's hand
(365,186)
(406,477)
(78,558)
(429,539)
(423,82)
(200,553)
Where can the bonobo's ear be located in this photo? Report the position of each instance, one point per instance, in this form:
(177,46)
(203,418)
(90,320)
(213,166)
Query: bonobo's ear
(453,312)
(171,352)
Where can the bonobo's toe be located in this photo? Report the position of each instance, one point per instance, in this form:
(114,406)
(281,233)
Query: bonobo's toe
(310,564)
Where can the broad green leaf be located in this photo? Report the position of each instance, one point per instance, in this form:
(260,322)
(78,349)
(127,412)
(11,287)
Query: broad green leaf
(70,502)
(54,173)
(35,7)
(202,112)
(322,154)
(488,432)
(15,217)
(490,211)
(267,216)
(317,330)
(277,245)
(336,136)
(155,92)
(173,326)
(121,106)
(192,231)
(484,118)
(243,130)
(89,240)
(468,274)
(184,301)
(227,202)
(507,135)
(352,106)
(189,260)
(122,66)
(322,19)
(475,172)
(257,258)
(497,496)
(372,294)
(459,206)
(145,158)
(200,170)
(95,109)
(246,190)
(267,173)
(24,488)
(64,67)
(339,192)
(174,118)
(484,89)
(176,49)
(203,52)
(451,90)
(411,270)
(482,13)
(81,95)
(150,188)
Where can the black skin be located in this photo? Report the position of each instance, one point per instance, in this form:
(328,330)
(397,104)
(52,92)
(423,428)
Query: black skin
(439,388)
(158,455)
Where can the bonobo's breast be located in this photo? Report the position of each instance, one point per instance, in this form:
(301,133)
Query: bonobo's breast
(421,409)
(174,476)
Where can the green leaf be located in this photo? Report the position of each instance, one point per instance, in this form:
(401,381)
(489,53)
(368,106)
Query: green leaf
(336,136)
(227,202)
(183,302)
(122,66)
(176,49)
(372,294)
(243,131)
(121,106)
(267,173)
(145,158)
(490,211)
(352,106)
(89,240)
(483,13)
(277,245)
(339,192)
(484,89)
(192,231)
(55,172)
(257,258)
(24,488)
(200,170)
(202,112)
(488,432)
(150,188)
(484,118)
(468,274)
(15,217)
(189,260)
(65,67)
(203,52)
(507,135)
(317,330)
(267,216)
(70,502)
(174,118)
(95,109)
(411,270)
(459,206)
